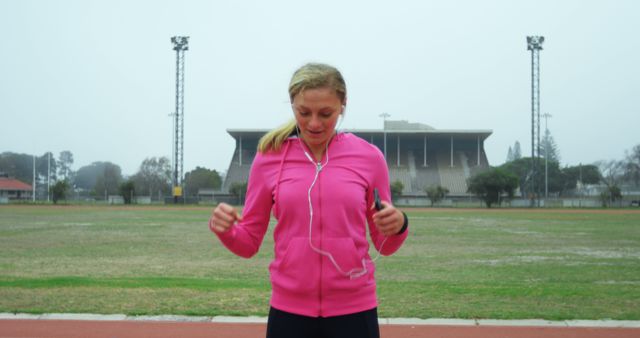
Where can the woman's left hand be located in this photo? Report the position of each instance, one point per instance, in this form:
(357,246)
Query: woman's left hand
(388,220)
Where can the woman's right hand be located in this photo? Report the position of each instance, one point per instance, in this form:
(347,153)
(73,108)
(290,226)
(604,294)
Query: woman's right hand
(223,218)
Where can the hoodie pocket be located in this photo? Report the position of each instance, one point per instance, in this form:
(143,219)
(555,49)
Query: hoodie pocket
(349,270)
(298,270)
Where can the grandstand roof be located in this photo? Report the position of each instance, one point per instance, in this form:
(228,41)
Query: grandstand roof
(391,127)
(405,125)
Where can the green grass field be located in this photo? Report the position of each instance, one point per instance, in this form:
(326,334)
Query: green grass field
(462,263)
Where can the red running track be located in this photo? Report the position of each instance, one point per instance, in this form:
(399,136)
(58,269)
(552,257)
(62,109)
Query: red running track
(129,329)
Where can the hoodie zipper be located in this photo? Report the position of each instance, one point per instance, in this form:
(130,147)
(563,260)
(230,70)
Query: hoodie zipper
(321,261)
(321,232)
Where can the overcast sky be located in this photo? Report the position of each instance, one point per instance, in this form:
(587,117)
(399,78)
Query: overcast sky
(98,77)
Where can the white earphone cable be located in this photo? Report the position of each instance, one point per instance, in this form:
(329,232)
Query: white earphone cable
(355,272)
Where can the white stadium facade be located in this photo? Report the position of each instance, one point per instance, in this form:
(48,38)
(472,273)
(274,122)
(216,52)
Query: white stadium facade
(417,155)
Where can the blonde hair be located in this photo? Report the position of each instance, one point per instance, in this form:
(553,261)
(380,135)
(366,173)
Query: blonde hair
(309,76)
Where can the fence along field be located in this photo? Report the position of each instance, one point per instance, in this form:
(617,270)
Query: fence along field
(462,263)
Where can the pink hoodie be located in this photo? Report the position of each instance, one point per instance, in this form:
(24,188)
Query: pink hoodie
(303,281)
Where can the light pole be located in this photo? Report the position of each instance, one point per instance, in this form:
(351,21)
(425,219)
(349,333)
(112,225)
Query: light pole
(534,44)
(384,132)
(180,45)
(33,191)
(48,176)
(546,155)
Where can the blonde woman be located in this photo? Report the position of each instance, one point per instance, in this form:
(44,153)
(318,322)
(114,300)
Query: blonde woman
(319,185)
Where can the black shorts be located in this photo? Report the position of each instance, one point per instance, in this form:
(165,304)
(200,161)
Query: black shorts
(283,324)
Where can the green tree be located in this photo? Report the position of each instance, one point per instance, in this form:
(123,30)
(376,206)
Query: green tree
(610,195)
(19,166)
(59,191)
(632,165)
(109,180)
(239,189)
(436,193)
(509,155)
(87,177)
(46,164)
(127,191)
(491,184)
(154,176)
(585,174)
(396,189)
(548,146)
(514,152)
(612,172)
(615,193)
(201,178)
(65,160)
(521,168)
(517,153)
(612,177)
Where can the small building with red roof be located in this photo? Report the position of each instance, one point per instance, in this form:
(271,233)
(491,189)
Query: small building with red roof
(12,189)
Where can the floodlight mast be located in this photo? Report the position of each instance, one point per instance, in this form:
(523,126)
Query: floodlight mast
(180,45)
(534,44)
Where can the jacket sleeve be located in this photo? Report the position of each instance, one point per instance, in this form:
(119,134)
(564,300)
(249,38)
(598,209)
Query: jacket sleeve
(380,180)
(245,237)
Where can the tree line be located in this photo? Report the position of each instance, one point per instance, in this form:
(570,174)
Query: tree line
(153,178)
(516,173)
(101,179)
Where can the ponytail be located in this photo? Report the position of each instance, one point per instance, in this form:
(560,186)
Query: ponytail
(272,141)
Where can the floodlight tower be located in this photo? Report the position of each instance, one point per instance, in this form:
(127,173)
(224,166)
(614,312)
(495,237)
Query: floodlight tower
(180,45)
(534,44)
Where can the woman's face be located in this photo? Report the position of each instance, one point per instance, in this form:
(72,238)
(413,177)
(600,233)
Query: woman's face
(316,112)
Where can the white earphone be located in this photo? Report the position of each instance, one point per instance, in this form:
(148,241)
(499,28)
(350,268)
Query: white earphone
(341,118)
(355,272)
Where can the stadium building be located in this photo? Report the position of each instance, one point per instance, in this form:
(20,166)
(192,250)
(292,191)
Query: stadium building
(417,155)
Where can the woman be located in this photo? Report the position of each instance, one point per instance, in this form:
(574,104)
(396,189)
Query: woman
(320,185)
